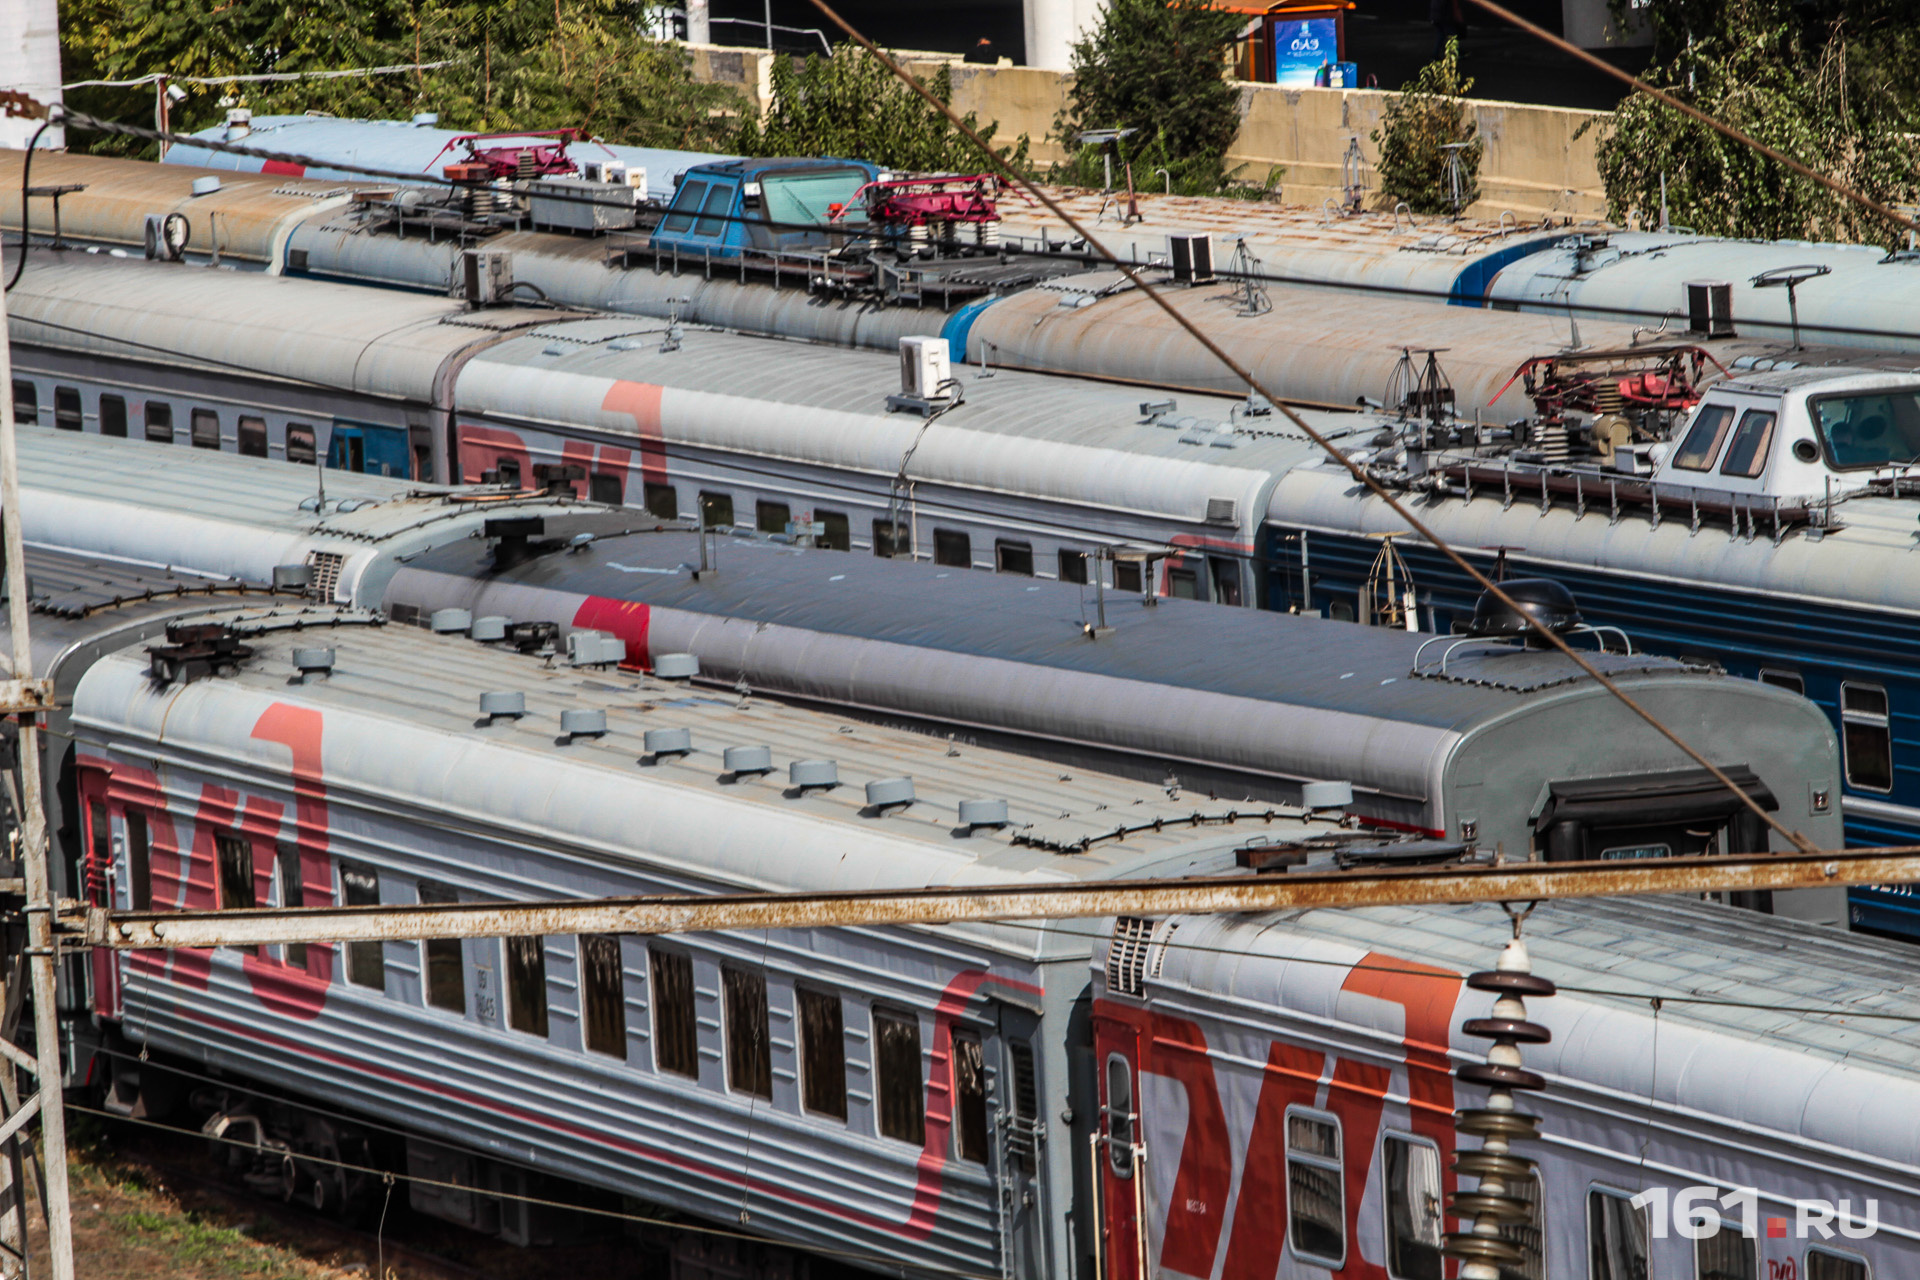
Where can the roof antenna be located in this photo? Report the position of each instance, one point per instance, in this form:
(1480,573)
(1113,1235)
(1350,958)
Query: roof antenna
(320,476)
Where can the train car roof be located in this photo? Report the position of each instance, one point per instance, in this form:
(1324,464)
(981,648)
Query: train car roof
(1186,645)
(374,342)
(224,515)
(1763,1022)
(399,715)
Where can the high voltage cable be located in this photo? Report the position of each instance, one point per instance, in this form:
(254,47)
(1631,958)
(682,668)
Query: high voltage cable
(1358,472)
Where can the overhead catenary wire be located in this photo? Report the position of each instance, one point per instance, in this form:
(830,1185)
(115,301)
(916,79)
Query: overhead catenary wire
(155,77)
(1358,472)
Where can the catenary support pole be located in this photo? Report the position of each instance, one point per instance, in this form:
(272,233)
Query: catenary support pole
(41,961)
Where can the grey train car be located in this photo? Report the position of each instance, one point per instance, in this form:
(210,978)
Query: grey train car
(1488,743)
(907,1097)
(1288,1078)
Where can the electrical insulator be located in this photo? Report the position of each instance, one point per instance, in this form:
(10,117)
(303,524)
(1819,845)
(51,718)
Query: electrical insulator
(1493,1206)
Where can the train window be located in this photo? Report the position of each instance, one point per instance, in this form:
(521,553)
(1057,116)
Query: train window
(716,510)
(1702,441)
(293,893)
(890,539)
(1747,455)
(527,985)
(1127,576)
(771,517)
(139,865)
(253,437)
(113,416)
(1316,1221)
(1727,1254)
(749,1053)
(676,1033)
(446,957)
(26,402)
(603,994)
(1119,1111)
(1013,557)
(1411,1172)
(608,487)
(300,447)
(206,429)
(236,872)
(1616,1237)
(713,210)
(1073,566)
(159,420)
(1183,584)
(686,203)
(952,547)
(1026,1102)
(67,412)
(896,1066)
(823,1054)
(1529,1237)
(1224,571)
(1871,429)
(834,534)
(366,961)
(1788,680)
(1866,736)
(662,502)
(1825,1264)
(969,1097)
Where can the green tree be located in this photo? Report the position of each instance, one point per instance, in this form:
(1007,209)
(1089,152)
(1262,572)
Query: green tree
(1416,130)
(1157,67)
(514,64)
(850,105)
(1831,83)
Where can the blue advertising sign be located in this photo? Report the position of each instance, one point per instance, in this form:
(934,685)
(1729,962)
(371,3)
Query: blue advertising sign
(1302,47)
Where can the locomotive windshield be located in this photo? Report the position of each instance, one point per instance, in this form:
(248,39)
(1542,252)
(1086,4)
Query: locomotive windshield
(803,197)
(1870,429)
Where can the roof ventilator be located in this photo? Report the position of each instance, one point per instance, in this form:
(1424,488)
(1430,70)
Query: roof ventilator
(312,662)
(661,743)
(583,722)
(743,761)
(294,578)
(813,775)
(889,793)
(488,630)
(497,704)
(196,649)
(533,637)
(595,649)
(676,666)
(975,814)
(512,538)
(448,621)
(1316,796)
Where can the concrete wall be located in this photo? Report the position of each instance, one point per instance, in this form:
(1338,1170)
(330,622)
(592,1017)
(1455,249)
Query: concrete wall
(1533,164)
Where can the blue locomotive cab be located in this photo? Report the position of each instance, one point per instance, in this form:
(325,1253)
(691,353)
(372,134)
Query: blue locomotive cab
(735,207)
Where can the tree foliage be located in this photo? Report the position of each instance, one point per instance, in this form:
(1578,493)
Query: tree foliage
(850,105)
(1831,83)
(1157,67)
(515,64)
(1415,130)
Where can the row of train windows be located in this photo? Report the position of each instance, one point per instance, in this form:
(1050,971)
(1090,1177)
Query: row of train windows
(1617,1230)
(898,1093)
(951,547)
(1866,729)
(157,422)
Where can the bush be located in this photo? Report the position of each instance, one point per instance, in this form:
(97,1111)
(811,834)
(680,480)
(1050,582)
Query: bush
(1413,135)
(850,105)
(1158,68)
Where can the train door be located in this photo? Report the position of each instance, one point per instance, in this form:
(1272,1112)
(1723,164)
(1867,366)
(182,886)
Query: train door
(1120,1156)
(368,449)
(1018,1135)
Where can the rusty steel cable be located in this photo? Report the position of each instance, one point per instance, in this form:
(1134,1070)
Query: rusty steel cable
(1359,473)
(1638,85)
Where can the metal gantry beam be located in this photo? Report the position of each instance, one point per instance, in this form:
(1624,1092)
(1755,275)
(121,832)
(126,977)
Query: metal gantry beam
(1512,882)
